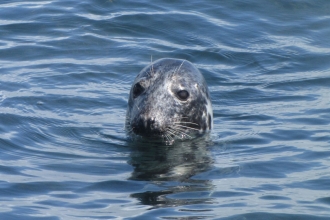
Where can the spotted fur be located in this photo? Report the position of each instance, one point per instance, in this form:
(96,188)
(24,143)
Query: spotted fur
(155,108)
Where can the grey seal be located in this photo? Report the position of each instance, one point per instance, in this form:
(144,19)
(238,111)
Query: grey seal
(169,100)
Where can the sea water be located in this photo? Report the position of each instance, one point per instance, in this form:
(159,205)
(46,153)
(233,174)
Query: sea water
(66,70)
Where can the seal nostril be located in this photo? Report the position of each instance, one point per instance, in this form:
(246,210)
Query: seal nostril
(151,123)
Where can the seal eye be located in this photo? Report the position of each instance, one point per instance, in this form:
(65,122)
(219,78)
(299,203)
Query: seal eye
(183,95)
(137,90)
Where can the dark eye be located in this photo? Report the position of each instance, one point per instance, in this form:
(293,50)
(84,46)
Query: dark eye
(183,95)
(137,90)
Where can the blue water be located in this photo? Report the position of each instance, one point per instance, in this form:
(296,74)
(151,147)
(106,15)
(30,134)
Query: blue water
(66,70)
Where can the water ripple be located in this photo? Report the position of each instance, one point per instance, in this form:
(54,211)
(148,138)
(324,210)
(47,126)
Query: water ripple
(66,71)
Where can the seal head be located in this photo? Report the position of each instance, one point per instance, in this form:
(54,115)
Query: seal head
(169,99)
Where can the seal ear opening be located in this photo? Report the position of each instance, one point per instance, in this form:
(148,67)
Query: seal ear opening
(137,90)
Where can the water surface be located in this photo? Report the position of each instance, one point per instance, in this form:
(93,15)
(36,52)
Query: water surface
(66,70)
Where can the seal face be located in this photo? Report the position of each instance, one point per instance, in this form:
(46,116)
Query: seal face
(169,100)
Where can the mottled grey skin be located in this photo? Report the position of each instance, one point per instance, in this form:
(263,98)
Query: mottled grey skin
(155,108)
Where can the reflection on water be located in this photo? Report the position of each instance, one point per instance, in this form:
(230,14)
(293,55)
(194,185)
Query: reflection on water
(66,71)
(177,163)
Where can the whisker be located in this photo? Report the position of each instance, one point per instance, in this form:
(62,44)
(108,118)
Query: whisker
(180,66)
(182,126)
(185,122)
(130,130)
(180,120)
(180,131)
(152,66)
(164,137)
(168,138)
(171,131)
(137,106)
